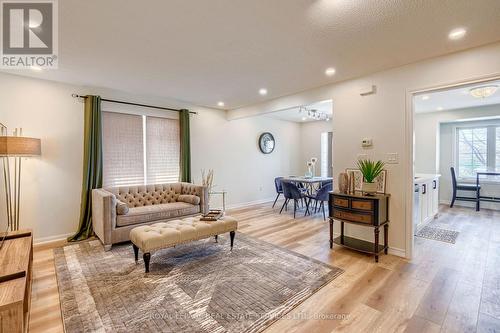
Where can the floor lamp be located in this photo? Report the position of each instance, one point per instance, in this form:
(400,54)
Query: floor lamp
(15,147)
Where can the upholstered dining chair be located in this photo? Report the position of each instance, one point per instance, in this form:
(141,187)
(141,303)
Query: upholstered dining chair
(321,196)
(463,187)
(278,187)
(292,192)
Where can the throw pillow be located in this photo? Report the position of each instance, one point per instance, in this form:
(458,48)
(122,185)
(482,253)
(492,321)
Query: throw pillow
(192,199)
(121,207)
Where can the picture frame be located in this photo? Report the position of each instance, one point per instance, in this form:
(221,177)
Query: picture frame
(358,177)
(381,180)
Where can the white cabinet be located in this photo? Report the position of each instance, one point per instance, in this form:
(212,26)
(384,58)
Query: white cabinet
(428,197)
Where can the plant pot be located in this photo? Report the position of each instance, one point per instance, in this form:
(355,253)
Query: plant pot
(369,188)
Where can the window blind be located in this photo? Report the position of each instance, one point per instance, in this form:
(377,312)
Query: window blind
(162,150)
(123,152)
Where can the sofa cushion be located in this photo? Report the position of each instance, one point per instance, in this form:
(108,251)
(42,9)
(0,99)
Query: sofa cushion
(153,213)
(121,207)
(146,195)
(192,199)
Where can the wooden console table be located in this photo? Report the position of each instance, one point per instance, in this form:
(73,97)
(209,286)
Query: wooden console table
(16,262)
(362,210)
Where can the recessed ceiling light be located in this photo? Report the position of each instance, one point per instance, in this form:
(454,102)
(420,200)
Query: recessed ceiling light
(36,68)
(263,91)
(220,103)
(330,71)
(304,118)
(440,108)
(457,33)
(483,92)
(425,97)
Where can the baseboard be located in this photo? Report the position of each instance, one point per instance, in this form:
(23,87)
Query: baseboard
(51,239)
(392,250)
(250,203)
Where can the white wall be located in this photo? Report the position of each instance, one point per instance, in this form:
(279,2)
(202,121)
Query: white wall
(310,142)
(231,149)
(382,117)
(51,184)
(427,135)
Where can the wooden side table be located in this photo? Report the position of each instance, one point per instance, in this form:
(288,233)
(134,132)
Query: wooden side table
(361,210)
(16,263)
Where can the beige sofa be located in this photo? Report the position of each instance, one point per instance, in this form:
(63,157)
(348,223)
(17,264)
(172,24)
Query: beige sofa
(116,211)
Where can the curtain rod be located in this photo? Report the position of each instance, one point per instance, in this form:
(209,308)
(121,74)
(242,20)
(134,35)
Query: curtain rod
(134,104)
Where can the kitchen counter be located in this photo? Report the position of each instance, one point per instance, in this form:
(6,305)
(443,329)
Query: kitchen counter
(421,178)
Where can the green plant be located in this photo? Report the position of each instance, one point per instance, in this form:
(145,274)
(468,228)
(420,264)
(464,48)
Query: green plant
(370,169)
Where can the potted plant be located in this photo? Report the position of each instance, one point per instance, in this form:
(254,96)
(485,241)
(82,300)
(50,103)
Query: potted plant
(370,170)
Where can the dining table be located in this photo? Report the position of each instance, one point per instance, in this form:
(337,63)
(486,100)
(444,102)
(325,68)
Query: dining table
(480,197)
(311,184)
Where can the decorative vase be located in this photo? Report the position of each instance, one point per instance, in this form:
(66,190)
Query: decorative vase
(343,182)
(369,188)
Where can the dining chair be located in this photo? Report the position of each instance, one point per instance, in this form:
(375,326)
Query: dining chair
(278,187)
(292,192)
(321,196)
(463,187)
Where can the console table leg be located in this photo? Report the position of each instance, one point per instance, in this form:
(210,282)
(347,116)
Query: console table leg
(342,232)
(376,231)
(386,238)
(331,233)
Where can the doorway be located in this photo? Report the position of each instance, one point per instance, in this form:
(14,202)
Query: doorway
(455,136)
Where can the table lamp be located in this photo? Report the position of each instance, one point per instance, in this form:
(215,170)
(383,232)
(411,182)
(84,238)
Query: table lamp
(17,147)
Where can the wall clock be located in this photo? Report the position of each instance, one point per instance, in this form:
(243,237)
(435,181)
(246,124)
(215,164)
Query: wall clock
(266,143)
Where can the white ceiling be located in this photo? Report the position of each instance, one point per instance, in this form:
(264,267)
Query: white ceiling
(294,115)
(225,50)
(456,98)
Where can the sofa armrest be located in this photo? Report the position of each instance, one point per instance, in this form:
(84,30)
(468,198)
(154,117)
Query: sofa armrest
(103,214)
(199,190)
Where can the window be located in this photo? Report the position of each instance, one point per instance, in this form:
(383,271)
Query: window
(139,150)
(478,150)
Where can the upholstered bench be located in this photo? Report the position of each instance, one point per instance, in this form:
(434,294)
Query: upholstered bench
(149,238)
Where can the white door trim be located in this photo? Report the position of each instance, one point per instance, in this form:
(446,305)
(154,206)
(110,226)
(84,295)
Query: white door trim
(409,151)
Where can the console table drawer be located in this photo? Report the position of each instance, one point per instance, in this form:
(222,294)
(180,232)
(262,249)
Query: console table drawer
(355,217)
(362,205)
(340,202)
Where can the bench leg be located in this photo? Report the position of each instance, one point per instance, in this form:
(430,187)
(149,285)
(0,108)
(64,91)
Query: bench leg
(232,233)
(136,252)
(216,238)
(146,257)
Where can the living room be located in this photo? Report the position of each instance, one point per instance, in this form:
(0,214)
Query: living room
(232,66)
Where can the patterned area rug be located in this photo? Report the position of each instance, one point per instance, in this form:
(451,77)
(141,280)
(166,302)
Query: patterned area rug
(442,235)
(196,287)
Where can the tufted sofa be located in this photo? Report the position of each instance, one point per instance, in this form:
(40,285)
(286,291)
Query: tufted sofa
(117,210)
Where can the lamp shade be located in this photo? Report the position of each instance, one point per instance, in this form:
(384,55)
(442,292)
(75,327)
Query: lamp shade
(19,146)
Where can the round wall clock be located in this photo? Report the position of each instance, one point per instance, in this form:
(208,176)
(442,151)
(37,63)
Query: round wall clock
(266,143)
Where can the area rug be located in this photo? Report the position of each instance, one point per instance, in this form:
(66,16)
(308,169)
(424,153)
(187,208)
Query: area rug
(196,287)
(439,234)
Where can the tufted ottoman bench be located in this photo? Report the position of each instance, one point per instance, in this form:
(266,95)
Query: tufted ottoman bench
(161,235)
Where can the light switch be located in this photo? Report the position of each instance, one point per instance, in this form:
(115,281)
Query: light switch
(392,158)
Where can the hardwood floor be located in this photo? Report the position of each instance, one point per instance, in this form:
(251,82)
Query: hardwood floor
(446,287)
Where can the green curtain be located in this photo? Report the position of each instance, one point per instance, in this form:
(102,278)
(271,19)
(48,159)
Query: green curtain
(92,165)
(185,147)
